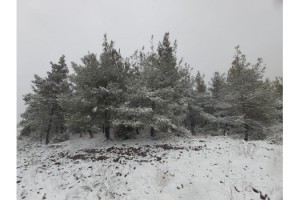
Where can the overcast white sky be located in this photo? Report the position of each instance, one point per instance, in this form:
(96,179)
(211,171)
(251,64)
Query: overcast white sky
(206,30)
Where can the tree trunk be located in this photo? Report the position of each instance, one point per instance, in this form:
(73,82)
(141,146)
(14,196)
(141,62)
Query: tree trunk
(246,132)
(42,131)
(61,129)
(56,131)
(107,132)
(192,126)
(41,135)
(245,124)
(49,127)
(106,124)
(91,134)
(137,130)
(152,132)
(191,119)
(246,136)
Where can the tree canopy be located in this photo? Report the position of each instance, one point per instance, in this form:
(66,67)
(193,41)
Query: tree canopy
(152,91)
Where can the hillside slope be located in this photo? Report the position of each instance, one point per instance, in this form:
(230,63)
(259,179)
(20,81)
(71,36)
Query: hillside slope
(177,168)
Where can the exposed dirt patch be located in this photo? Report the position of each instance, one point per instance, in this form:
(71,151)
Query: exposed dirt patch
(138,154)
(168,147)
(79,157)
(102,158)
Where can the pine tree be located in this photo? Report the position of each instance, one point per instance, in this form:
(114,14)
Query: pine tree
(43,105)
(200,84)
(134,111)
(278,86)
(161,72)
(167,73)
(98,89)
(35,116)
(217,84)
(250,97)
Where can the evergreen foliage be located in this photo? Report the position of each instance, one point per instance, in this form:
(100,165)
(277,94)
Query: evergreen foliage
(200,84)
(153,91)
(44,113)
(217,83)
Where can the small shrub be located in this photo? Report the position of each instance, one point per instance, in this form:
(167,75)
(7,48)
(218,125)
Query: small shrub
(181,132)
(62,137)
(124,133)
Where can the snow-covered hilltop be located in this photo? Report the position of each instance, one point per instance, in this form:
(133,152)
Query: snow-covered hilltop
(174,168)
(153,114)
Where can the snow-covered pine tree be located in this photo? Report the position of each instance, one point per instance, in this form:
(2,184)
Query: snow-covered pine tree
(277,85)
(161,75)
(200,111)
(134,113)
(249,95)
(98,89)
(217,83)
(115,71)
(43,105)
(200,84)
(81,103)
(35,117)
(134,110)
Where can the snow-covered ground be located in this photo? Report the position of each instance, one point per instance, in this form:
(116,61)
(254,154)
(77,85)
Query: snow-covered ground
(177,168)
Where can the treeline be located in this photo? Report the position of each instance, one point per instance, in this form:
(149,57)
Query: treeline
(151,91)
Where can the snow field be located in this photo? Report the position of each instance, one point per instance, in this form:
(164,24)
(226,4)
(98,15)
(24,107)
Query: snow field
(177,168)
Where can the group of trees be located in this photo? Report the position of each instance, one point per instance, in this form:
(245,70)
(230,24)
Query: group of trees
(151,91)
